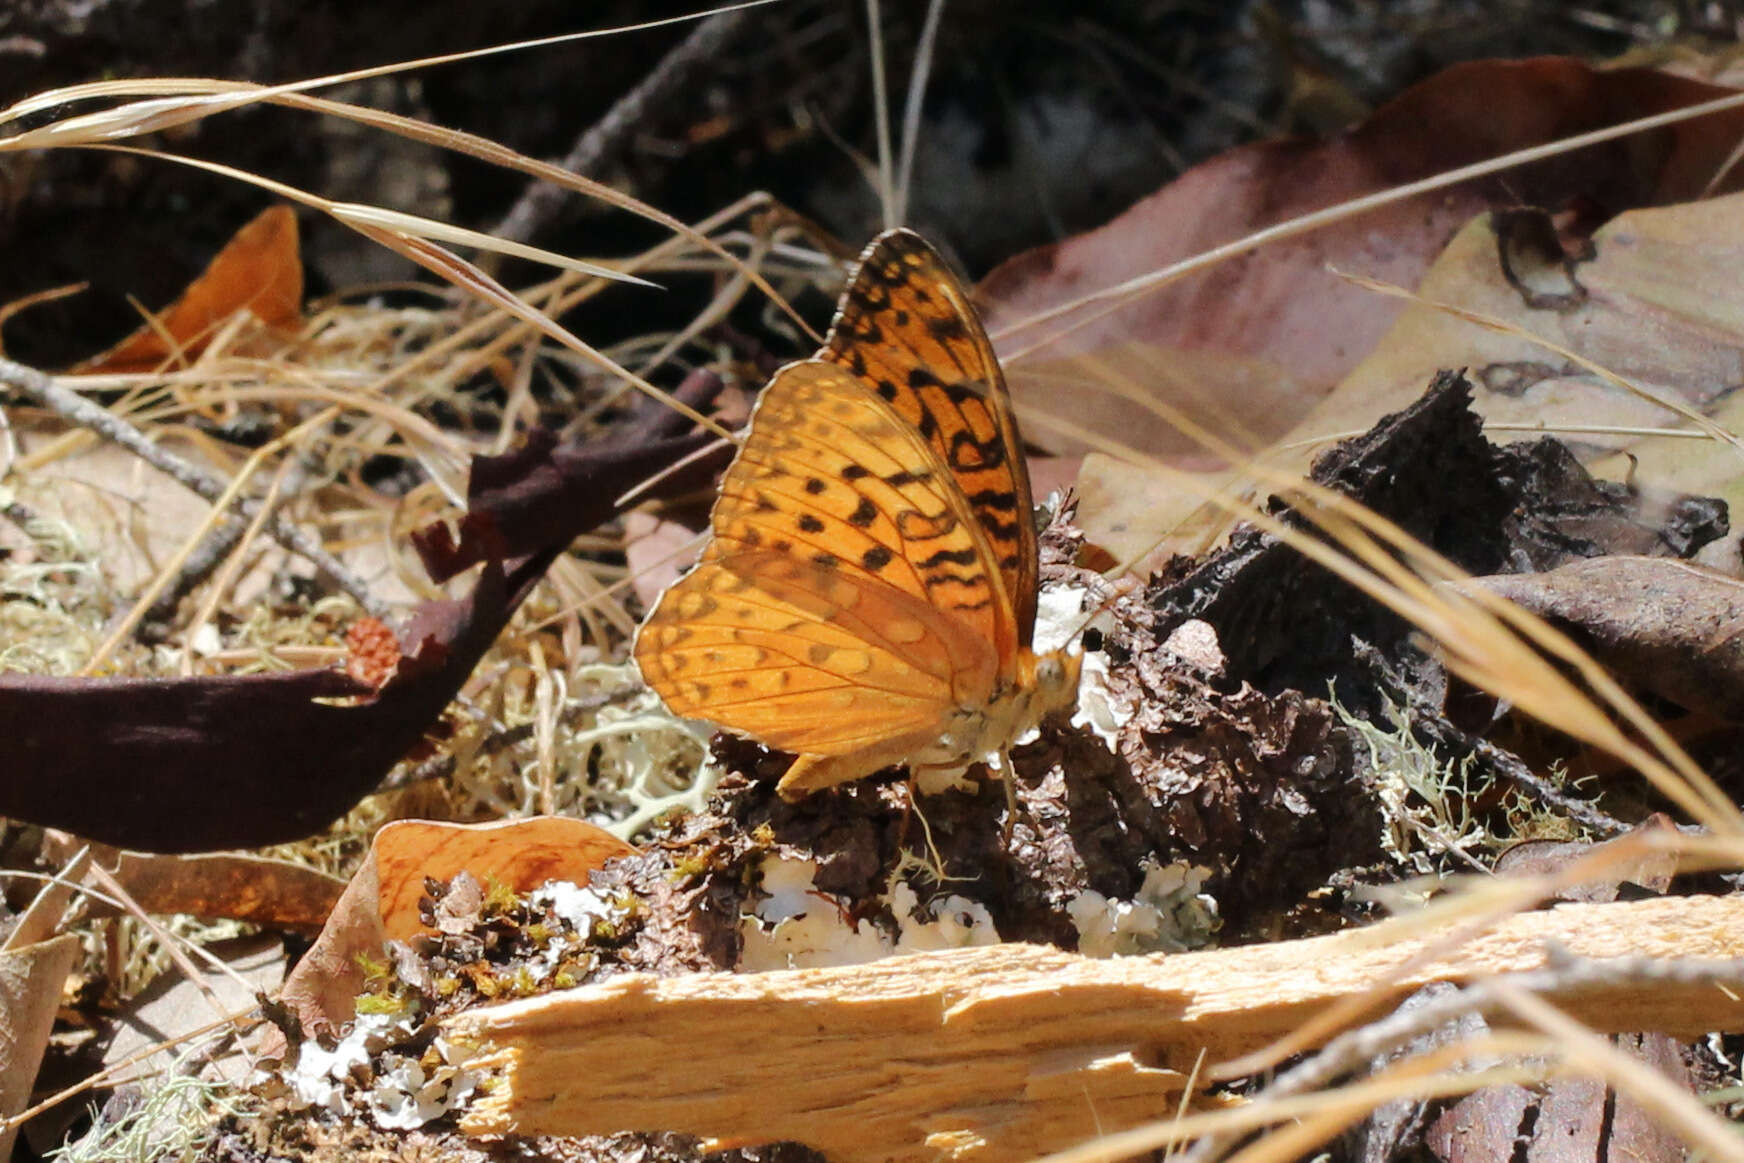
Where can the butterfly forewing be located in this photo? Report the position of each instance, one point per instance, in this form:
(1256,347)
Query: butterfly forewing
(907,330)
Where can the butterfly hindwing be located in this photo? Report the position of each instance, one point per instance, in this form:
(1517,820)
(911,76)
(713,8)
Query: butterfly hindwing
(907,330)
(848,594)
(782,658)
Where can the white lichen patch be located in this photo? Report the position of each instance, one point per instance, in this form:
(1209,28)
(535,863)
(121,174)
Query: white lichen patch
(362,1074)
(796,925)
(1426,813)
(650,762)
(1168,915)
(410,1092)
(323,1078)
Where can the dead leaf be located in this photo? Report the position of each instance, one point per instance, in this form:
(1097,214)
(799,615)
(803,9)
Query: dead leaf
(547,492)
(1662,307)
(173,1006)
(381,902)
(1570,1119)
(1644,866)
(236,761)
(519,854)
(231,885)
(1247,348)
(1670,627)
(258,271)
(30,992)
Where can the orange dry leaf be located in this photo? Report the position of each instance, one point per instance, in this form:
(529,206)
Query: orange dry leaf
(258,271)
(381,902)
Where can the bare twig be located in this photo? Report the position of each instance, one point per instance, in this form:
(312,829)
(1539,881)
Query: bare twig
(68,404)
(212,553)
(539,204)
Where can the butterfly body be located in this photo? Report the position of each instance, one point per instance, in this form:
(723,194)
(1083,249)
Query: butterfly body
(868,596)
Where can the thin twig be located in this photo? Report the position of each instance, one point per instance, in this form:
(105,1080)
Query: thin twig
(881,113)
(1442,730)
(213,552)
(917,82)
(75,408)
(540,202)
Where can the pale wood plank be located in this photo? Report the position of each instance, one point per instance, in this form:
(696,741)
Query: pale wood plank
(1010,1051)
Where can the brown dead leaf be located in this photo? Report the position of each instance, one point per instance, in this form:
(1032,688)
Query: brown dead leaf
(547,491)
(1663,306)
(519,854)
(229,885)
(258,271)
(1670,627)
(1246,349)
(1125,509)
(381,902)
(174,1006)
(1643,866)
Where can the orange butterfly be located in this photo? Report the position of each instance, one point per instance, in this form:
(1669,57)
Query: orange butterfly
(868,596)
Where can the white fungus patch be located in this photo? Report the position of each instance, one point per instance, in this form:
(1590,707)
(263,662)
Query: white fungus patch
(1168,915)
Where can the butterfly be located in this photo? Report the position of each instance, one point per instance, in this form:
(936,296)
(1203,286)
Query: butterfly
(868,595)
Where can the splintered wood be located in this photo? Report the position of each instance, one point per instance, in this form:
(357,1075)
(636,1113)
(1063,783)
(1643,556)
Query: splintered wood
(1011,1051)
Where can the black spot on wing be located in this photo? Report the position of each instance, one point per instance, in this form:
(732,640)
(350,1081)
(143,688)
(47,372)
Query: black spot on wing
(810,524)
(955,579)
(902,477)
(814,486)
(947,328)
(952,556)
(968,454)
(864,514)
(1001,499)
(876,558)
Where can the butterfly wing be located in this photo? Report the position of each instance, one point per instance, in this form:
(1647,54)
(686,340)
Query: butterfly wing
(849,596)
(906,328)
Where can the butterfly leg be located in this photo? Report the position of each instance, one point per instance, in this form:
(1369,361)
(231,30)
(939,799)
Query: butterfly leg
(1009,778)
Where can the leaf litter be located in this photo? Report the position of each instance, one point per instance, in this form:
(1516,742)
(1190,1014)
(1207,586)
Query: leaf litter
(1235,801)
